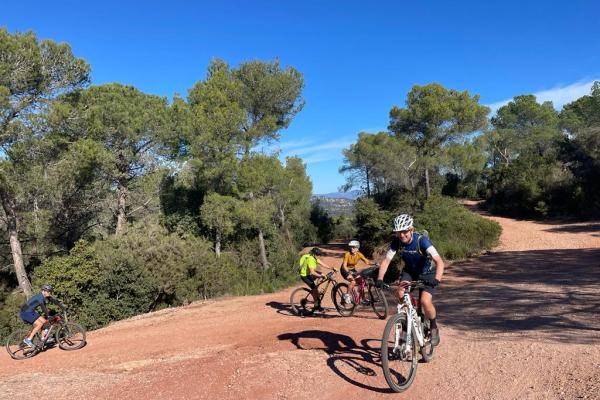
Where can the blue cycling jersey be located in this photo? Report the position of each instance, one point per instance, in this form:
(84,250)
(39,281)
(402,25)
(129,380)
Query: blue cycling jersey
(415,261)
(33,303)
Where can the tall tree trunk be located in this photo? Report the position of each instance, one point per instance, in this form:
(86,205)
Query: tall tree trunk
(427,189)
(15,244)
(263,252)
(121,204)
(368,182)
(218,244)
(36,223)
(286,228)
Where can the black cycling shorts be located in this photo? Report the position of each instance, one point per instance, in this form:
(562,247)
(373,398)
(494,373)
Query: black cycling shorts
(346,273)
(410,276)
(310,281)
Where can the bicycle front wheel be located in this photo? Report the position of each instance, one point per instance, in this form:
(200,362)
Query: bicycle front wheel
(15,346)
(342,299)
(378,302)
(302,302)
(399,360)
(70,336)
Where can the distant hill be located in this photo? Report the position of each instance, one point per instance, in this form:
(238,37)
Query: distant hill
(337,203)
(352,195)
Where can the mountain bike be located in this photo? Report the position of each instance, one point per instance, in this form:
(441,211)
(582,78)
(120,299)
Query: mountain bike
(57,330)
(364,292)
(302,300)
(406,335)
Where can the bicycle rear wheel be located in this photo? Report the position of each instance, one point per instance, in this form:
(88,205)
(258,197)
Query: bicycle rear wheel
(16,348)
(340,296)
(398,360)
(70,336)
(302,302)
(427,349)
(378,302)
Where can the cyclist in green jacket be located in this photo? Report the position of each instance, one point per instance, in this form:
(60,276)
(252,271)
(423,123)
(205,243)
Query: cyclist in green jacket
(307,267)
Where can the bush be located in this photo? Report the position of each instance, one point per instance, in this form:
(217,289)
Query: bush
(455,231)
(147,268)
(9,313)
(97,293)
(374,224)
(344,228)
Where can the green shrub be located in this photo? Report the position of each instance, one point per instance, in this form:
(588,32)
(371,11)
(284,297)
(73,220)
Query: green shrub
(455,231)
(9,313)
(147,268)
(94,292)
(344,228)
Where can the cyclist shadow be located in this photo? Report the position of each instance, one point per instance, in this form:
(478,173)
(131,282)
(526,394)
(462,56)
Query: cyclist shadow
(356,364)
(286,309)
(282,308)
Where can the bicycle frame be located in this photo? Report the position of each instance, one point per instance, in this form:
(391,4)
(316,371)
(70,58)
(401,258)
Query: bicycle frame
(359,289)
(327,280)
(55,321)
(413,320)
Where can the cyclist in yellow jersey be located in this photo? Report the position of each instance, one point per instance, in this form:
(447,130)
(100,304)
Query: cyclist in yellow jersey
(307,267)
(351,259)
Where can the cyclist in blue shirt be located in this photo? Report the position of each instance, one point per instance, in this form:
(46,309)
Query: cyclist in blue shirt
(421,262)
(29,314)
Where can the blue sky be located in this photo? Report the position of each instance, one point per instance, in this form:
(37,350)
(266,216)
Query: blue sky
(358,58)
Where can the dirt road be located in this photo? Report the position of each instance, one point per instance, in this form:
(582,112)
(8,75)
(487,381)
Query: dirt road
(520,322)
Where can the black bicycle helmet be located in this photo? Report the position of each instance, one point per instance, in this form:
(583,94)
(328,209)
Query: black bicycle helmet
(315,251)
(47,288)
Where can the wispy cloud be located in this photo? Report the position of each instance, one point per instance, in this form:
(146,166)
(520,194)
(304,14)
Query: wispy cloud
(315,151)
(559,96)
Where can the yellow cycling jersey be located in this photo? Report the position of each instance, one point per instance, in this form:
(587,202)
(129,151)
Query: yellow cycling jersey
(307,263)
(350,260)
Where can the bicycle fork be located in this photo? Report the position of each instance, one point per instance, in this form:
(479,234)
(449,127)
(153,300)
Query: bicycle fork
(411,321)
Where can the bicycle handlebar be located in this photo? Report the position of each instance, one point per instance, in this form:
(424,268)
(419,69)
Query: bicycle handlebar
(418,284)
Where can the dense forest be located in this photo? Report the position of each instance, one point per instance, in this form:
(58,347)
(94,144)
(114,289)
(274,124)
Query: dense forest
(129,202)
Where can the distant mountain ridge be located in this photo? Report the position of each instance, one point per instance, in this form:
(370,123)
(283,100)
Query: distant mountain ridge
(338,203)
(351,195)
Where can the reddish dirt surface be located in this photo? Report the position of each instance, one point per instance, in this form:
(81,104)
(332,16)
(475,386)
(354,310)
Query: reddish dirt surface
(520,322)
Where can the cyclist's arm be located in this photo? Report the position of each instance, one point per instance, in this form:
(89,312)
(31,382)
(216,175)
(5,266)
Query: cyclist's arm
(316,273)
(361,256)
(57,302)
(394,247)
(383,267)
(439,266)
(44,309)
(322,264)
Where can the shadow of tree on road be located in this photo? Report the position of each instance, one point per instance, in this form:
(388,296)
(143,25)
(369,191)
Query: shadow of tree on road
(347,359)
(594,229)
(551,295)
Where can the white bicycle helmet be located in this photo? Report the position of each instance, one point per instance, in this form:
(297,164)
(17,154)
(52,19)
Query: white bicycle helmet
(403,222)
(354,243)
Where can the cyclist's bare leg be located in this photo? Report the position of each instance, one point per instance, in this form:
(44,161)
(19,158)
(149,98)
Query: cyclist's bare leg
(315,293)
(37,325)
(351,283)
(427,304)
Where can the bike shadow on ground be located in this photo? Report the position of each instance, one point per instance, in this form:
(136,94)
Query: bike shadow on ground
(357,364)
(549,295)
(286,309)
